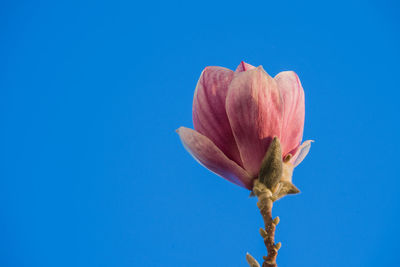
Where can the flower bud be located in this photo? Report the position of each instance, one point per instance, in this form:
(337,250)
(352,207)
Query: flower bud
(271,166)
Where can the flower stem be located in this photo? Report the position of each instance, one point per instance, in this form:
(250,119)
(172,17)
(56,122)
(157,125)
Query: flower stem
(265,204)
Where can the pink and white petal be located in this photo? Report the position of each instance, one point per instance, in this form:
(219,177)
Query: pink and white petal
(209,114)
(301,153)
(243,66)
(253,106)
(292,95)
(211,157)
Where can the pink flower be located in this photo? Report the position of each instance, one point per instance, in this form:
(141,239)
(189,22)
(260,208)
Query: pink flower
(237,114)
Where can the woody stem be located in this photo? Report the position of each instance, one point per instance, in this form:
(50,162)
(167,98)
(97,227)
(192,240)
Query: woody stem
(265,205)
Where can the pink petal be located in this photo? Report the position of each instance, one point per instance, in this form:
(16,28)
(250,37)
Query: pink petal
(243,66)
(253,105)
(209,155)
(209,114)
(292,96)
(301,152)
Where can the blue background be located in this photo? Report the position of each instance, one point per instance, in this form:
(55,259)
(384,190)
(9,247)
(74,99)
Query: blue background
(92,172)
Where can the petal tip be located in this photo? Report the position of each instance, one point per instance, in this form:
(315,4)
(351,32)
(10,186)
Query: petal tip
(179,129)
(243,66)
(262,70)
(302,152)
(287,75)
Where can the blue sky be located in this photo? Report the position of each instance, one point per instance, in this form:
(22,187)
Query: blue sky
(92,172)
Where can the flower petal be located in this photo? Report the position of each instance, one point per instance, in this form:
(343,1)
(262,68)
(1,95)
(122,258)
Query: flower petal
(209,155)
(209,114)
(253,106)
(292,95)
(243,66)
(301,152)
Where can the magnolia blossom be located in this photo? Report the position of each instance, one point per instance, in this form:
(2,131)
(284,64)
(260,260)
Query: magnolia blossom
(236,115)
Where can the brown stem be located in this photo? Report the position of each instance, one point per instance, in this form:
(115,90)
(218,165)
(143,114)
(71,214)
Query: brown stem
(265,205)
